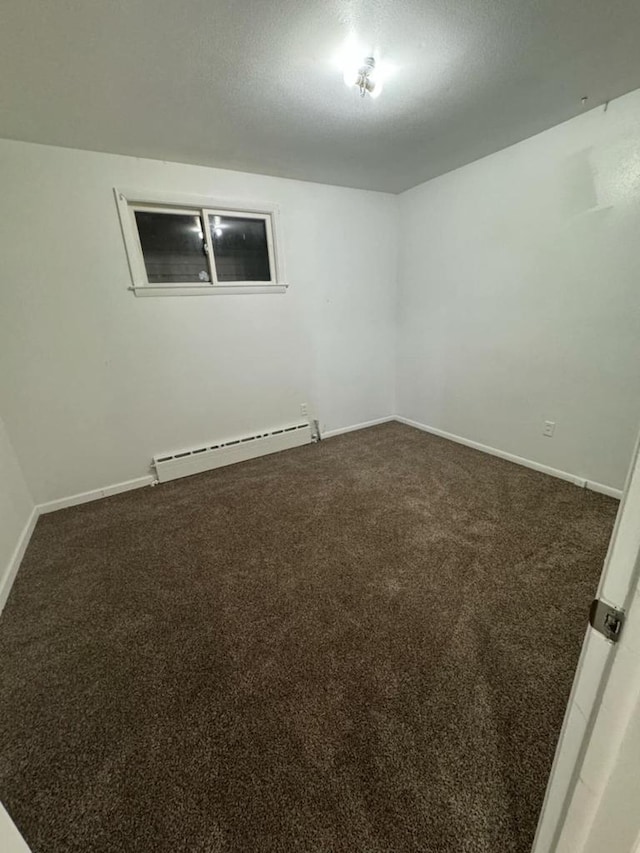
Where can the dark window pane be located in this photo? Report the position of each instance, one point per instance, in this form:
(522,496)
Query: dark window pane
(172,246)
(240,248)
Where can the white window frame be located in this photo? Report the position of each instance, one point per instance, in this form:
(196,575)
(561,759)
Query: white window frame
(128,201)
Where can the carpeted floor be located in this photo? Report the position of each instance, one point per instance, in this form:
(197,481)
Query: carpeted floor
(359,647)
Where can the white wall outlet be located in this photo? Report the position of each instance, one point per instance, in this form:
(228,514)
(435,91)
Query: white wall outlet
(304,409)
(549,428)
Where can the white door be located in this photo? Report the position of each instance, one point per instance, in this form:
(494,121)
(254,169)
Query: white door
(10,839)
(604,811)
(599,719)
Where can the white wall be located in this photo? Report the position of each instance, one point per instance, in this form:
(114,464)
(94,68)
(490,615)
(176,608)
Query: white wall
(95,381)
(519,294)
(516,304)
(16,514)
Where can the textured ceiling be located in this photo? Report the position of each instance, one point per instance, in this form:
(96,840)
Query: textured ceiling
(252,84)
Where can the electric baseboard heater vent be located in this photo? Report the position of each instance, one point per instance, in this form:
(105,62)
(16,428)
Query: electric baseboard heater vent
(183,463)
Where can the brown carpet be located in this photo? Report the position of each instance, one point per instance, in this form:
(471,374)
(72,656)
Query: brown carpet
(359,647)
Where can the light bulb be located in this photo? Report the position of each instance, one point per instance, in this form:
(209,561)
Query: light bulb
(362,67)
(350,75)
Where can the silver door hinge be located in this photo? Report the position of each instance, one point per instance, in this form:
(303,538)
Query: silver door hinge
(606,619)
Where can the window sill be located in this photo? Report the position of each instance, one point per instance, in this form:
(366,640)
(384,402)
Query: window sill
(209,289)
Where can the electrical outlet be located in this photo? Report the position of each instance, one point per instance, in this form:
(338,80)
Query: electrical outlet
(304,409)
(549,428)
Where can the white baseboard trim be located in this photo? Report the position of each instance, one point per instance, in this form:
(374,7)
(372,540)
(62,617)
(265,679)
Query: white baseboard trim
(354,427)
(6,580)
(519,460)
(95,494)
(604,490)
(9,574)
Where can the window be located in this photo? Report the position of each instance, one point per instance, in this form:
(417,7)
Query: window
(173,246)
(199,247)
(240,247)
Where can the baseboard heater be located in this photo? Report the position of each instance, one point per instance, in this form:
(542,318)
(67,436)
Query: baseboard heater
(183,463)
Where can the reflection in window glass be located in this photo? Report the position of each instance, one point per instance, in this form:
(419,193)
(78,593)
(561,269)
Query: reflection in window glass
(173,247)
(240,248)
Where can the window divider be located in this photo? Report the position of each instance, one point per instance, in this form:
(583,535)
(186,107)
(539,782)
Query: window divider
(206,229)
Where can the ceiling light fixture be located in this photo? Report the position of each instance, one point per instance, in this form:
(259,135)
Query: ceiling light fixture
(364,77)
